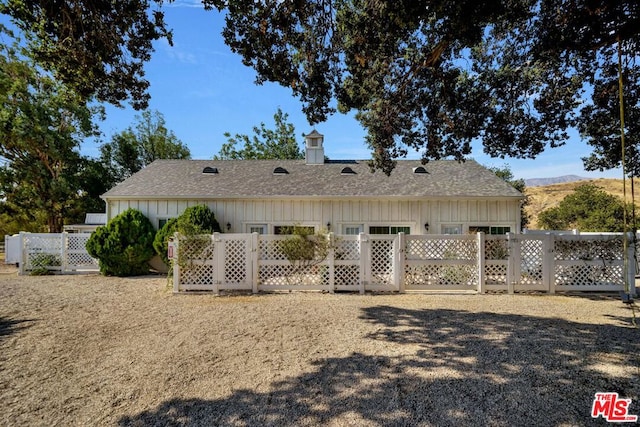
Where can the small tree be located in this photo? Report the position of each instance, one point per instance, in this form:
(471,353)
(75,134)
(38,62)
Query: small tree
(304,249)
(124,246)
(194,220)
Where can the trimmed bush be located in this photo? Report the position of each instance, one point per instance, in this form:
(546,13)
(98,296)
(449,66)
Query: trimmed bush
(124,246)
(194,220)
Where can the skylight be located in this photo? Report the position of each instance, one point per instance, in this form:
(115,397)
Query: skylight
(280,171)
(347,171)
(419,169)
(209,169)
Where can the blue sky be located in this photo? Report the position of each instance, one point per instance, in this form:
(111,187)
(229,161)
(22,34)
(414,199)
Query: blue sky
(203,91)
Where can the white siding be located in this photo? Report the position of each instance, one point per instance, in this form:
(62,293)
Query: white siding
(413,213)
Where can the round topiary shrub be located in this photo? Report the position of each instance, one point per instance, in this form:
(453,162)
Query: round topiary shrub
(194,220)
(124,246)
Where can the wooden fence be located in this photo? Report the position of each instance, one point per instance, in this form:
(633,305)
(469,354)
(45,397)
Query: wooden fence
(480,263)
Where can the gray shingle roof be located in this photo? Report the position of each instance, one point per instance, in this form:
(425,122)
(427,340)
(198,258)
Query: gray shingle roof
(169,179)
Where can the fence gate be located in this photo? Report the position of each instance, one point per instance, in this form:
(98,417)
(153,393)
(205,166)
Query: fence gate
(530,262)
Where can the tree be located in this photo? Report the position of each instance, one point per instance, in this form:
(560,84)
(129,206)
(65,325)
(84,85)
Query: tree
(134,148)
(96,48)
(519,184)
(41,125)
(431,76)
(279,143)
(588,208)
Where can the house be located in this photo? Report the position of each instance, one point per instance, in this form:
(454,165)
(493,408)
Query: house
(343,196)
(91,222)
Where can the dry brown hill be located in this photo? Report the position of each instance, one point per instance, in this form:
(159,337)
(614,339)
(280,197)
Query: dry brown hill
(547,196)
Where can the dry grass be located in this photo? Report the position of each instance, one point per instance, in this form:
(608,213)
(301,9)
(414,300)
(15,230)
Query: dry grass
(88,350)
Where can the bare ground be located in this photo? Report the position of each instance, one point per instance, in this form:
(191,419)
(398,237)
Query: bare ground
(88,350)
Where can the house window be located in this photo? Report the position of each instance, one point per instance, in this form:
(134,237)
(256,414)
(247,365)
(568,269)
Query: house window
(452,229)
(257,228)
(489,230)
(385,229)
(352,230)
(162,222)
(288,229)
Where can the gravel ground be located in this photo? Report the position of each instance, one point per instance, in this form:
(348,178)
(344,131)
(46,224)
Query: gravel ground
(88,350)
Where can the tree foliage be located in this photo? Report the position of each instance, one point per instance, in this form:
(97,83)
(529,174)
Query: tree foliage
(97,48)
(194,220)
(41,125)
(135,147)
(519,184)
(124,246)
(588,208)
(278,143)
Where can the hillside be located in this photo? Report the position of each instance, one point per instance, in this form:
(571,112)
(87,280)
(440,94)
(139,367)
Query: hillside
(545,197)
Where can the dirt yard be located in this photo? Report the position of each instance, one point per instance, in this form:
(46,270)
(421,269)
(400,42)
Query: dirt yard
(88,350)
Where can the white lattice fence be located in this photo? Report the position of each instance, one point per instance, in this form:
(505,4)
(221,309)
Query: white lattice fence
(441,263)
(496,264)
(63,252)
(588,263)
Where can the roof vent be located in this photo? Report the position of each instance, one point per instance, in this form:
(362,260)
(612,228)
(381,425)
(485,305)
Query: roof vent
(419,169)
(280,171)
(347,171)
(209,169)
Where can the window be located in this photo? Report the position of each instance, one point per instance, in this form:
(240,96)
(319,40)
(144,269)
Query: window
(352,229)
(489,230)
(257,228)
(389,230)
(452,229)
(162,222)
(288,229)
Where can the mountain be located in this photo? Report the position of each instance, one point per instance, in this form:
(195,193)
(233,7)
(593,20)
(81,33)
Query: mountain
(537,182)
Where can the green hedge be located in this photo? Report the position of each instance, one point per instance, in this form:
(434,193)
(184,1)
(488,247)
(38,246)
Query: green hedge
(194,220)
(124,246)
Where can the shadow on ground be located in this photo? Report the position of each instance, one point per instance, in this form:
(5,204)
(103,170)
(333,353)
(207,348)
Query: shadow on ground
(12,326)
(453,368)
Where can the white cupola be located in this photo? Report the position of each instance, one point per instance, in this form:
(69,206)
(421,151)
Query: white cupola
(314,151)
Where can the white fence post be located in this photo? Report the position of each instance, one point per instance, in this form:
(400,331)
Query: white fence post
(64,262)
(399,257)
(631,263)
(219,251)
(515,261)
(365,261)
(255,255)
(331,261)
(23,251)
(175,261)
(481,262)
(549,263)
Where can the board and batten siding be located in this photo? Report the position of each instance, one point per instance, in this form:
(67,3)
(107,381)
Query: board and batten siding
(413,213)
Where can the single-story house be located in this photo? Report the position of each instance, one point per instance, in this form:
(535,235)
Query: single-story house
(343,196)
(91,222)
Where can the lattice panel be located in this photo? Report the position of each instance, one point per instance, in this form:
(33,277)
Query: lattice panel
(441,249)
(270,250)
(235,261)
(80,259)
(531,266)
(589,275)
(495,274)
(48,244)
(441,275)
(290,275)
(196,248)
(197,274)
(381,257)
(496,249)
(347,250)
(77,242)
(347,275)
(611,249)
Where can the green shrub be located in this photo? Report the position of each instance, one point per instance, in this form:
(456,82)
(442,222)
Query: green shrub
(44,260)
(124,246)
(194,220)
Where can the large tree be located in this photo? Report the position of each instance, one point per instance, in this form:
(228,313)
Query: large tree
(278,143)
(41,125)
(98,48)
(433,76)
(135,147)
